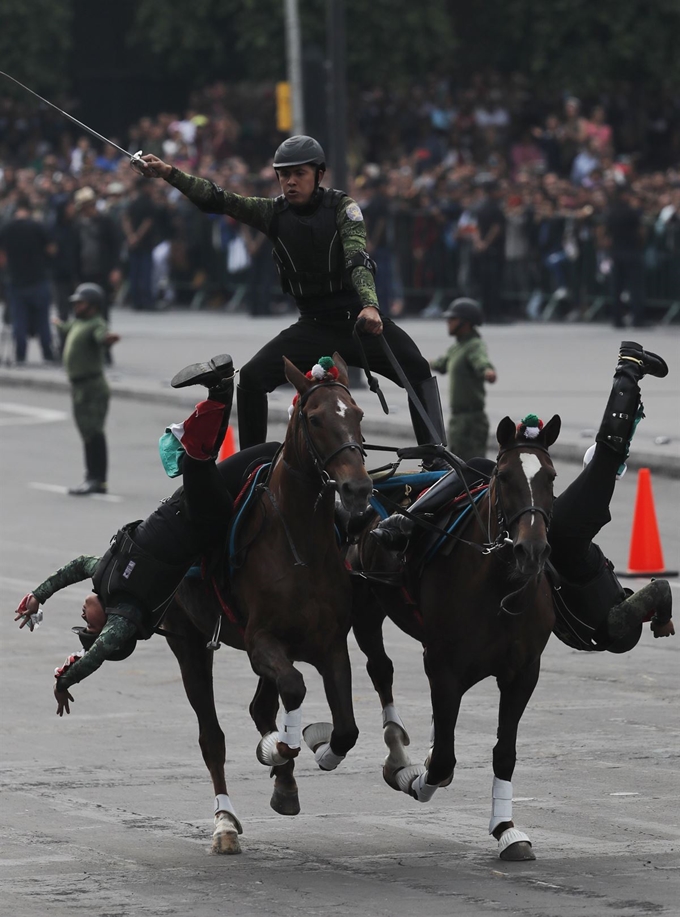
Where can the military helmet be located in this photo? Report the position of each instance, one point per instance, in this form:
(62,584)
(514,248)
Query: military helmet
(466,309)
(87,638)
(299,151)
(90,293)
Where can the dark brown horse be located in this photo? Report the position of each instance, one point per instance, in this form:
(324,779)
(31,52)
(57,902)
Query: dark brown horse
(293,590)
(484,609)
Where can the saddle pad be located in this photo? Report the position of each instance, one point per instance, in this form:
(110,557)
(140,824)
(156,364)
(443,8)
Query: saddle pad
(400,485)
(241,504)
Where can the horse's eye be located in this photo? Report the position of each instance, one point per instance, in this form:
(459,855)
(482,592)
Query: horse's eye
(314,421)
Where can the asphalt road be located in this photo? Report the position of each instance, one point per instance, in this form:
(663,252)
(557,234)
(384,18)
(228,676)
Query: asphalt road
(108,812)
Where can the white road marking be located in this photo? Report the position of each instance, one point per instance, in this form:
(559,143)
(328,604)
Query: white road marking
(60,489)
(24,414)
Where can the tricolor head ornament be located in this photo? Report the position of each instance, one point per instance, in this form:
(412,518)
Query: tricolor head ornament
(529,427)
(323,371)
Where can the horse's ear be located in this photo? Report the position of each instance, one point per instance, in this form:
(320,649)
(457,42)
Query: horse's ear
(343,374)
(551,430)
(505,433)
(295,377)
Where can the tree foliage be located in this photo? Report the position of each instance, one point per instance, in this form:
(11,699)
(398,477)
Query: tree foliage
(35,39)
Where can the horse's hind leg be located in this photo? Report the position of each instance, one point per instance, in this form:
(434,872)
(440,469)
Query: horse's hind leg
(512,843)
(195,662)
(367,628)
(330,746)
(263,708)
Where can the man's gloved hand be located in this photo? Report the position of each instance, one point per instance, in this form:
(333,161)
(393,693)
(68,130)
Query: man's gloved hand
(28,612)
(63,696)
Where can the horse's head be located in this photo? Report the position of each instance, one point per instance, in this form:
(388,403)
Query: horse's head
(522,488)
(324,434)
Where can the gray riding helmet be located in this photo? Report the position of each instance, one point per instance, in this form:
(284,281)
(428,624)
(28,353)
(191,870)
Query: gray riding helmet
(469,310)
(90,293)
(300,150)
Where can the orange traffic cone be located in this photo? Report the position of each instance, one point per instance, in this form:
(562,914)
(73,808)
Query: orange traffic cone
(227,448)
(646,555)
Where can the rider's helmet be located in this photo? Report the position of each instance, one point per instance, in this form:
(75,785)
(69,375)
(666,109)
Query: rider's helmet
(466,309)
(91,293)
(300,150)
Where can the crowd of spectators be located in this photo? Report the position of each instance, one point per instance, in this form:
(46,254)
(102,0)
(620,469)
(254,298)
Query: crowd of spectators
(539,207)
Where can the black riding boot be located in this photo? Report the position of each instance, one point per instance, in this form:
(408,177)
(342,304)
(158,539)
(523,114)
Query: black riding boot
(252,417)
(217,375)
(95,467)
(428,393)
(624,409)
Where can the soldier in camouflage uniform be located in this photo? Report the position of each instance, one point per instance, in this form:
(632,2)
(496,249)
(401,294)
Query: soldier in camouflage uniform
(136,578)
(469,368)
(84,342)
(319,240)
(593,610)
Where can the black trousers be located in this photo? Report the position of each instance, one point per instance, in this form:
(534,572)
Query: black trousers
(310,338)
(580,512)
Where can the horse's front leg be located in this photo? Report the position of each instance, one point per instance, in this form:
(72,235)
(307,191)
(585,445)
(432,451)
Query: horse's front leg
(330,743)
(446,694)
(367,626)
(263,709)
(195,662)
(513,844)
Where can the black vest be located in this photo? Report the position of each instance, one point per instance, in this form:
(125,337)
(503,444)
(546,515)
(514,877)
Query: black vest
(126,572)
(307,248)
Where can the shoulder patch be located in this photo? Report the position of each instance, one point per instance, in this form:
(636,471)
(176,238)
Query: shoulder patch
(354,213)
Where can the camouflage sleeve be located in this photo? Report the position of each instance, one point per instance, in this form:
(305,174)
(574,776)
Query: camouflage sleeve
(75,571)
(478,357)
(115,634)
(352,229)
(210,198)
(440,365)
(100,330)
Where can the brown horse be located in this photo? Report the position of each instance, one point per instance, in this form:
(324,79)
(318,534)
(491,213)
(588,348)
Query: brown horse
(293,591)
(483,609)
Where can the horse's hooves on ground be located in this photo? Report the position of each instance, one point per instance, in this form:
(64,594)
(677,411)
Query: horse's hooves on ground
(519,851)
(225,841)
(514,845)
(285,803)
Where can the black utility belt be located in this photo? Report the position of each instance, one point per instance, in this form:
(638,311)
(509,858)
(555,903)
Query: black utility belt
(325,315)
(87,378)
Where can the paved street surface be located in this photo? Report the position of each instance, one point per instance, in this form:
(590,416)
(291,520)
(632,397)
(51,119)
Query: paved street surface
(108,812)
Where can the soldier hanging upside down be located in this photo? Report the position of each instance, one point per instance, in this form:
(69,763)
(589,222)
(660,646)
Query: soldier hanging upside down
(594,612)
(135,579)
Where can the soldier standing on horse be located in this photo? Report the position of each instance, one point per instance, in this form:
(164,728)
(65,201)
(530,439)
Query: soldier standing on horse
(319,240)
(593,610)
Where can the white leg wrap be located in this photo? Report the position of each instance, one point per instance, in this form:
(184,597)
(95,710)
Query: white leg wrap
(390,715)
(327,759)
(501,803)
(292,727)
(223,804)
(422,790)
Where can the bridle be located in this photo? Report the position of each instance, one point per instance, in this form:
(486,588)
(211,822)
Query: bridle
(319,461)
(505,521)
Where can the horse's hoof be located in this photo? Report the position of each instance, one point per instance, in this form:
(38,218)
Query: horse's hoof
(404,777)
(317,734)
(395,738)
(267,751)
(514,845)
(225,836)
(285,803)
(444,783)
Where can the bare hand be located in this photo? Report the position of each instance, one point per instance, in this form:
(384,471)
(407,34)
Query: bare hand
(153,167)
(111,338)
(28,606)
(663,630)
(490,375)
(63,698)
(371,323)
